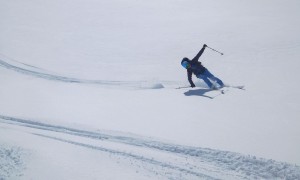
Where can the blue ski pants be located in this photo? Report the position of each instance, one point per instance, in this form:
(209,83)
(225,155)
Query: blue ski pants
(208,77)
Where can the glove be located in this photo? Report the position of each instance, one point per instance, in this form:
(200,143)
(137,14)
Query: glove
(193,85)
(204,45)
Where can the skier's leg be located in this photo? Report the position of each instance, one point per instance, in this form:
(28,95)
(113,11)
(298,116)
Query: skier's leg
(219,81)
(206,80)
(213,78)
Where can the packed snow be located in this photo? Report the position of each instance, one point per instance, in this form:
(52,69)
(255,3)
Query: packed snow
(95,90)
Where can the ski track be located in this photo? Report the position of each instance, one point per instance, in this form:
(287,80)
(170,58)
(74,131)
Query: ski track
(222,164)
(40,73)
(137,157)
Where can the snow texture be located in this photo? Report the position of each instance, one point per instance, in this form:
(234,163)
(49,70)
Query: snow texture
(95,90)
(183,161)
(11,161)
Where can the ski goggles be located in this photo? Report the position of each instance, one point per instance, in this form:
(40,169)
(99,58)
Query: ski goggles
(185,64)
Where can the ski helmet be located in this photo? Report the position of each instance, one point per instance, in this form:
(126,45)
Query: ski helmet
(185,63)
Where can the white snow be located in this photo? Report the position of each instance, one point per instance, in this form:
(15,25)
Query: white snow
(88,90)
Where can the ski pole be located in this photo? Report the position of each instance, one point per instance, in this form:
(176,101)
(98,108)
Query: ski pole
(215,50)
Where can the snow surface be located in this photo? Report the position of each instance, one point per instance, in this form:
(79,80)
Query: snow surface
(88,90)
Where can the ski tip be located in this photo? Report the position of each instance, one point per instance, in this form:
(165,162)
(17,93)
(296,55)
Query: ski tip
(242,87)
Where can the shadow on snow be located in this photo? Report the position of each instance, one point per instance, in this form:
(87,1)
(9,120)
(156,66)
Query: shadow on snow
(198,92)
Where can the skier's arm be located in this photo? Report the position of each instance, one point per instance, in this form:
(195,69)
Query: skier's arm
(196,58)
(189,74)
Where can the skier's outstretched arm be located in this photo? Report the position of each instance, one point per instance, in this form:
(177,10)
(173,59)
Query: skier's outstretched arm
(189,74)
(196,58)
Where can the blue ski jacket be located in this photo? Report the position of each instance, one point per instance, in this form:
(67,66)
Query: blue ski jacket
(196,66)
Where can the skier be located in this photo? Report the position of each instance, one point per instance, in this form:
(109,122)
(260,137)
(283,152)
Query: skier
(195,67)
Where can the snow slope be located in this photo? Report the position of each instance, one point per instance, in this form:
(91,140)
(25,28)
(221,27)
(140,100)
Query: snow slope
(162,160)
(90,86)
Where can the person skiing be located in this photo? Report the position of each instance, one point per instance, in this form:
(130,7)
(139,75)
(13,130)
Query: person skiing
(195,67)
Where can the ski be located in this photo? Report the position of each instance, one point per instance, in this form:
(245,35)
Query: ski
(242,87)
(222,91)
(183,87)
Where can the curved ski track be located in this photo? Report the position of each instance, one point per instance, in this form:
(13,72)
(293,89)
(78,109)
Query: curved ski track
(39,73)
(185,162)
